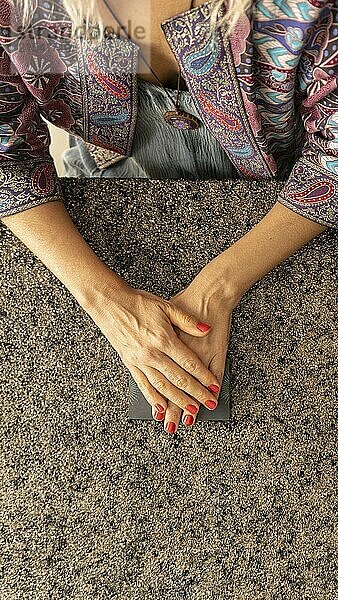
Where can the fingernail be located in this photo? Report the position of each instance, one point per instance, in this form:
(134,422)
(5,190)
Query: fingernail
(213,388)
(203,326)
(159,407)
(191,408)
(159,416)
(188,420)
(210,404)
(170,427)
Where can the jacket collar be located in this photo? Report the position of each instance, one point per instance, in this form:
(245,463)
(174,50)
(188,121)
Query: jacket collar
(221,91)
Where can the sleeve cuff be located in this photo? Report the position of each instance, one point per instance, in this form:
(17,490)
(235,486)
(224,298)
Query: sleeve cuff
(27,184)
(312,192)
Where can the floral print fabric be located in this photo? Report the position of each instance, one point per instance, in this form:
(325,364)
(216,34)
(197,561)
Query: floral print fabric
(267,93)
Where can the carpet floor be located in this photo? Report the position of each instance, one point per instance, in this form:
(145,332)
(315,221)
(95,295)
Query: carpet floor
(95,506)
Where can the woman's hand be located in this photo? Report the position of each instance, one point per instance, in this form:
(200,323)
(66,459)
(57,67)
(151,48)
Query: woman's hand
(212,301)
(139,326)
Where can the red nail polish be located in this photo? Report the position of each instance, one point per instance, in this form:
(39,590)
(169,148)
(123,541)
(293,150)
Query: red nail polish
(191,408)
(213,388)
(188,420)
(203,326)
(159,408)
(170,427)
(210,404)
(159,416)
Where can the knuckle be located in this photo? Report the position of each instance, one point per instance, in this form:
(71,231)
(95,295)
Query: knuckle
(190,365)
(188,319)
(141,385)
(146,354)
(158,339)
(219,377)
(181,382)
(163,303)
(173,412)
(161,339)
(171,344)
(159,384)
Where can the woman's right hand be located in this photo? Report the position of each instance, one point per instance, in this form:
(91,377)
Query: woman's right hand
(139,325)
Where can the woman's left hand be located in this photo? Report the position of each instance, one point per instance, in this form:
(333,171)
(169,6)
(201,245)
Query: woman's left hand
(207,298)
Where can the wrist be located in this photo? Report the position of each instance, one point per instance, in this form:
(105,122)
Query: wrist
(236,270)
(276,237)
(101,285)
(222,281)
(232,278)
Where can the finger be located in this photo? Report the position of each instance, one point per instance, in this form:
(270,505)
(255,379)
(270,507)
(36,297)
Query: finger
(153,397)
(188,419)
(170,391)
(157,416)
(219,361)
(172,417)
(188,360)
(184,320)
(184,381)
(217,364)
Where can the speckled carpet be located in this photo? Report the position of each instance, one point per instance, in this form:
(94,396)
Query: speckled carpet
(98,507)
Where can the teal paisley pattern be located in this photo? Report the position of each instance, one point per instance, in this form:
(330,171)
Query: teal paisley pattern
(209,71)
(284,54)
(267,94)
(296,73)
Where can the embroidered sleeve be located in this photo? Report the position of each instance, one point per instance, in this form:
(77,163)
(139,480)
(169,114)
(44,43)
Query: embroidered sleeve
(27,173)
(312,188)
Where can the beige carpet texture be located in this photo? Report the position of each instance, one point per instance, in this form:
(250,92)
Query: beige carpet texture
(95,506)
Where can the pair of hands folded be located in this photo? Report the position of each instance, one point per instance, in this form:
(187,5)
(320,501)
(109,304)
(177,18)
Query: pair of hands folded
(211,349)
(176,365)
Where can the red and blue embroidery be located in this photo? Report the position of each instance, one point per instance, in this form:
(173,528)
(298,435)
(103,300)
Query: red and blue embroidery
(228,121)
(43,179)
(109,84)
(214,86)
(320,191)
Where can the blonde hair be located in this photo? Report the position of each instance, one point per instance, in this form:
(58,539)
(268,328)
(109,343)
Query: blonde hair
(235,9)
(85,12)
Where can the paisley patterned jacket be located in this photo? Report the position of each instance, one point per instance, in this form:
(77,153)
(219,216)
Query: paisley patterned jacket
(268,93)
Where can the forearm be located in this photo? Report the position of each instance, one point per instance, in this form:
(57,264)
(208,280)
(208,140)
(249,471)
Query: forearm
(49,232)
(276,237)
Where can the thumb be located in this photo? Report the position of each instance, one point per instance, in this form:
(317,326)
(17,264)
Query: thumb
(220,367)
(186,321)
